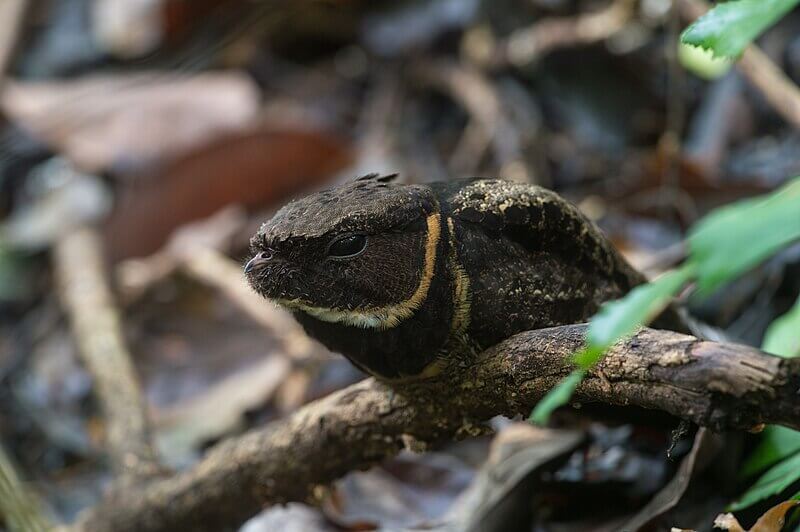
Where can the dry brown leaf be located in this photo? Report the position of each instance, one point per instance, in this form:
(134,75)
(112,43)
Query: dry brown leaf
(704,449)
(132,120)
(772,520)
(257,168)
(182,428)
(409,492)
(519,455)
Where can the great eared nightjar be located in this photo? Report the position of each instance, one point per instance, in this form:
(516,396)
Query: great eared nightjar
(406,279)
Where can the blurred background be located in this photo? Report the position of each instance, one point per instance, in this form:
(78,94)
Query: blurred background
(174,128)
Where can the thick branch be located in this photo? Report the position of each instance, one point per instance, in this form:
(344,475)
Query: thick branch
(95,322)
(717,385)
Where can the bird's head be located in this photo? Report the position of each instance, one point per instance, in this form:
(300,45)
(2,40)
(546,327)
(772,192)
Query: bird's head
(360,254)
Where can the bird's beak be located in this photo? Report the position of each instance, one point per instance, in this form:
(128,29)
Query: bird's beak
(255,264)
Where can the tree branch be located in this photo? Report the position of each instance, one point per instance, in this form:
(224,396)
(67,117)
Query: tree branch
(722,386)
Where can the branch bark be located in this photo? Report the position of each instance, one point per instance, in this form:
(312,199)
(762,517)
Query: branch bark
(721,386)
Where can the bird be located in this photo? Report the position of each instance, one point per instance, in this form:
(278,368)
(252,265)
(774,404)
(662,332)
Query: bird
(412,280)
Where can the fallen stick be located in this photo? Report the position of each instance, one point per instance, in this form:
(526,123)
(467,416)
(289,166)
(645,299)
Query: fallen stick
(217,270)
(489,121)
(721,386)
(529,44)
(12,13)
(87,300)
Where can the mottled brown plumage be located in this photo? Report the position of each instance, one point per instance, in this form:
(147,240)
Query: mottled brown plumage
(406,279)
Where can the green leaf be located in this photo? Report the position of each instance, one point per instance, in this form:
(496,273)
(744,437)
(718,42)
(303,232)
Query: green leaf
(776,444)
(615,320)
(783,335)
(622,317)
(733,239)
(556,397)
(588,356)
(701,62)
(773,482)
(730,26)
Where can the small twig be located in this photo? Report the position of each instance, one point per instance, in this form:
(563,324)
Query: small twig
(11,16)
(95,323)
(135,276)
(19,509)
(219,410)
(195,250)
(720,116)
(528,44)
(215,269)
(778,90)
(489,125)
(722,386)
(675,107)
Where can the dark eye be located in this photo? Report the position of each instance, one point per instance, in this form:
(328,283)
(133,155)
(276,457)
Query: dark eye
(347,246)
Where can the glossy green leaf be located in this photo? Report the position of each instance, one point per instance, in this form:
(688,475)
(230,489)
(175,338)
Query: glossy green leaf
(556,397)
(776,444)
(588,356)
(615,320)
(733,239)
(773,482)
(622,317)
(722,246)
(783,335)
(702,62)
(730,26)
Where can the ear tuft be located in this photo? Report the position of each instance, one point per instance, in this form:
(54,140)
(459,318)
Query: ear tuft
(377,177)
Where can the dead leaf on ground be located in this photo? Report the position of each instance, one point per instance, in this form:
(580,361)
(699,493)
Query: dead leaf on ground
(774,518)
(411,491)
(771,521)
(704,447)
(255,169)
(135,276)
(182,428)
(292,517)
(518,454)
(62,199)
(129,121)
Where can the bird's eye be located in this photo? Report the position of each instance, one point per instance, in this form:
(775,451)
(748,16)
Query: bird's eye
(347,246)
